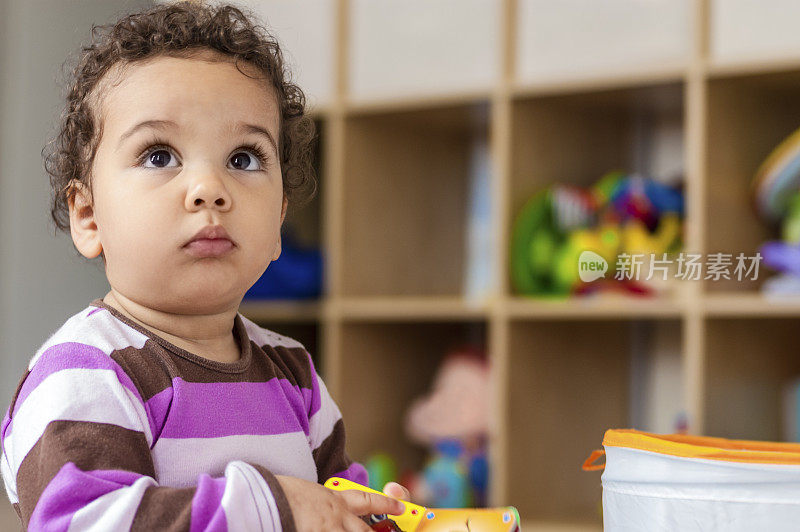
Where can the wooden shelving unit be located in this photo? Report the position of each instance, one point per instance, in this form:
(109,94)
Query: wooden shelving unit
(391,223)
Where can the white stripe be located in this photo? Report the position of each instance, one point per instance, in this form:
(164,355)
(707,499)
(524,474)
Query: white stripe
(113,511)
(269,517)
(269,512)
(179,461)
(8,479)
(323,420)
(262,336)
(248,504)
(101,330)
(77,394)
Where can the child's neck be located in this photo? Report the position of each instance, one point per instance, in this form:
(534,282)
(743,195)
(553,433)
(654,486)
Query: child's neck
(209,336)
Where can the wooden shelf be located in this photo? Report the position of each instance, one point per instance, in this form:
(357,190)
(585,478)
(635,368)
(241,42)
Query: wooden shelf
(401,308)
(412,103)
(610,307)
(392,213)
(609,80)
(281,310)
(750,305)
(606,307)
(754,67)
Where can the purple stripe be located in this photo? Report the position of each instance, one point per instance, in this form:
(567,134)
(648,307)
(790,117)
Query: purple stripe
(356,473)
(72,489)
(207,512)
(71,355)
(308,397)
(210,410)
(157,408)
(74,355)
(316,400)
(95,310)
(6,423)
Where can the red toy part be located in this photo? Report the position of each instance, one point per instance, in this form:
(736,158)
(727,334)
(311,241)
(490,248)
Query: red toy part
(385,525)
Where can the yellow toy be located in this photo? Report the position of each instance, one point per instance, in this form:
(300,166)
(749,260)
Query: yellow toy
(417,518)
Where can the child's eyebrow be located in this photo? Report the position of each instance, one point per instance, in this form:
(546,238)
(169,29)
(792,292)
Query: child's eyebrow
(241,127)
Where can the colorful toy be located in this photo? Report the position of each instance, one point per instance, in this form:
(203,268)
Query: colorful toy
(619,214)
(447,478)
(777,179)
(776,199)
(453,420)
(418,518)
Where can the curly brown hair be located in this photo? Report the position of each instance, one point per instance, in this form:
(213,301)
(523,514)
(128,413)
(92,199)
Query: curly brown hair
(184,29)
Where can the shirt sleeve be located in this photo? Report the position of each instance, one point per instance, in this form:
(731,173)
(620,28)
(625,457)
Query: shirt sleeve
(327,436)
(76,455)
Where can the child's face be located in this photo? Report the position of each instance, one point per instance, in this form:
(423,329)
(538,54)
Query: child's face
(145,210)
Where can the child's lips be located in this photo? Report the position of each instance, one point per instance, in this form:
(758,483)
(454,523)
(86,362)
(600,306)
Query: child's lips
(209,247)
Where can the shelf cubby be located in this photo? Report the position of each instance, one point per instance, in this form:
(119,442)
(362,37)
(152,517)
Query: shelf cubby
(748,116)
(389,364)
(748,362)
(561,41)
(406,184)
(565,390)
(577,137)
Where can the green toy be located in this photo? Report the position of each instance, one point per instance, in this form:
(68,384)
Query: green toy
(619,214)
(381,468)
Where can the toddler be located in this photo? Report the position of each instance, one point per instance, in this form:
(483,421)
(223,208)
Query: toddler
(160,406)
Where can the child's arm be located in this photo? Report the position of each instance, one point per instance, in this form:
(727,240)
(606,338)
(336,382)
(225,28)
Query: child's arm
(327,436)
(76,455)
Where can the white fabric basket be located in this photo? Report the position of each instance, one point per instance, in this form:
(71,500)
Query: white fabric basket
(678,482)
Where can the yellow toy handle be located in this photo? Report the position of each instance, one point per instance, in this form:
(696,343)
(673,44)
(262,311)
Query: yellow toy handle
(441,519)
(408,520)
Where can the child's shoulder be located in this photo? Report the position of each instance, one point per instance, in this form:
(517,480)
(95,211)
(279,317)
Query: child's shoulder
(285,350)
(91,330)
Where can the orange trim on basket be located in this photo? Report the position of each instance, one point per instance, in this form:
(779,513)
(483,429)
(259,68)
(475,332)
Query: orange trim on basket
(588,464)
(761,452)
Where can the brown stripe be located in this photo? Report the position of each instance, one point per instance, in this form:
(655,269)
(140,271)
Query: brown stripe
(89,445)
(292,362)
(284,510)
(163,508)
(148,369)
(19,513)
(289,363)
(330,457)
(153,367)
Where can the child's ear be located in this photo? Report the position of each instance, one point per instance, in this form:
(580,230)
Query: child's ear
(277,252)
(82,225)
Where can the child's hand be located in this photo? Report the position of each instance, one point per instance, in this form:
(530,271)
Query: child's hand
(398,491)
(316,507)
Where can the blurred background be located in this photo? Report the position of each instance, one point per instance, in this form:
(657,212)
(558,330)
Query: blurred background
(536,220)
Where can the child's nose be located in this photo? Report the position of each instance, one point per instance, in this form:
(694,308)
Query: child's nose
(208,192)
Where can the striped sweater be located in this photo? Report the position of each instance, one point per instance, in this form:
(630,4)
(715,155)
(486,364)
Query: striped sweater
(114,428)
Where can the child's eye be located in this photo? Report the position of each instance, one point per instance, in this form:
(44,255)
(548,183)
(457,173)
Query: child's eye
(241,159)
(159,156)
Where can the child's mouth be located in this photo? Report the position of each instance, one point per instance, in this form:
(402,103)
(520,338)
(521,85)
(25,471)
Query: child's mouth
(208,247)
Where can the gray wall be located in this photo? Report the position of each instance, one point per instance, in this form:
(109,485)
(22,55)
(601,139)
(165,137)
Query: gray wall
(42,280)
